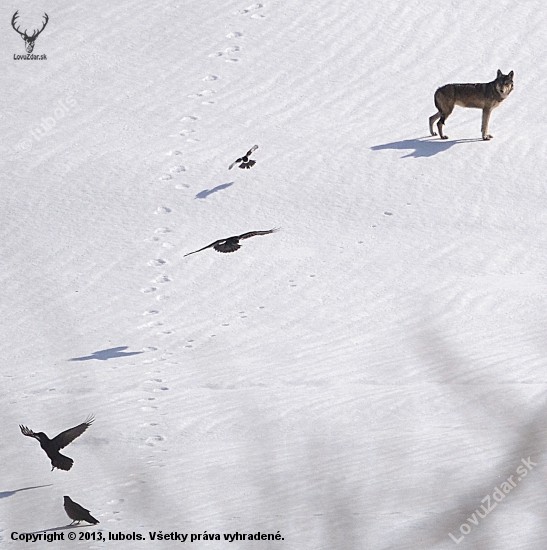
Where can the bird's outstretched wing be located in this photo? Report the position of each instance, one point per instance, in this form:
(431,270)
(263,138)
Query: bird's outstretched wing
(222,245)
(205,247)
(68,436)
(254,233)
(26,431)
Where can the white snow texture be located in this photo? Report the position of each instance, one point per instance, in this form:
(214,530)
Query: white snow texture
(365,378)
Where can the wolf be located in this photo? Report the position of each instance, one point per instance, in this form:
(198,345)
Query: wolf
(485,96)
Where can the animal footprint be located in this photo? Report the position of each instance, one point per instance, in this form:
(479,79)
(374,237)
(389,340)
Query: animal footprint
(157,262)
(232,49)
(149,289)
(151,324)
(251,8)
(151,312)
(162,230)
(162,279)
(204,93)
(162,210)
(149,407)
(165,177)
(177,169)
(210,78)
(235,34)
(152,441)
(173,153)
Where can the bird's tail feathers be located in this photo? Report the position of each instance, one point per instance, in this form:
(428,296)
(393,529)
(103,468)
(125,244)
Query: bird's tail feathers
(62,462)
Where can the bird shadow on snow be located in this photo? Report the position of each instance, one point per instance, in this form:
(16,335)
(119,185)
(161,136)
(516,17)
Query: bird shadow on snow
(206,192)
(423,147)
(61,528)
(5,494)
(104,354)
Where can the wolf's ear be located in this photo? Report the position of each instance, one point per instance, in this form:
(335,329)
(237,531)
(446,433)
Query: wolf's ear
(499,73)
(510,75)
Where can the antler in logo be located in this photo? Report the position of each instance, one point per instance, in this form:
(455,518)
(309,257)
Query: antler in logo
(29,40)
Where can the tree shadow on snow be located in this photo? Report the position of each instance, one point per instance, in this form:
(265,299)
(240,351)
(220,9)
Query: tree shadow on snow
(423,147)
(104,354)
(206,192)
(455,374)
(5,494)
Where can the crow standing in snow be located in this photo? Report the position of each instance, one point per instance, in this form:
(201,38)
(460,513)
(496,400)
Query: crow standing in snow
(77,513)
(231,244)
(52,446)
(245,162)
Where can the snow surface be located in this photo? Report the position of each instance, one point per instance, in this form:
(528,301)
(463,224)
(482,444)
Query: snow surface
(364,378)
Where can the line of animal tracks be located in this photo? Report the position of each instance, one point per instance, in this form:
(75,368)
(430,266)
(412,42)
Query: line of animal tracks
(198,106)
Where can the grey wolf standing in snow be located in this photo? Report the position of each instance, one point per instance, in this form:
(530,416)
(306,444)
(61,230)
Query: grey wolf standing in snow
(485,96)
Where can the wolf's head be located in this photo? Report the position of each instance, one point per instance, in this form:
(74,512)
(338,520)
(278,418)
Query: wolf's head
(504,84)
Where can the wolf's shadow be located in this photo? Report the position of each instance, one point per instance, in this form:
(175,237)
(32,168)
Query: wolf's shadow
(423,147)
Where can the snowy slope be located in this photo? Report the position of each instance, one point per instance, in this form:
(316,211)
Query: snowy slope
(363,378)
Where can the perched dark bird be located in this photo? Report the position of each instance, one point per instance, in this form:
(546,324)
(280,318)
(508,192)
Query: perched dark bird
(245,162)
(231,244)
(52,446)
(77,513)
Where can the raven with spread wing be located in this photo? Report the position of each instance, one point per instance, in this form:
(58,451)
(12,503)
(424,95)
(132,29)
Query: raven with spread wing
(245,161)
(52,446)
(231,244)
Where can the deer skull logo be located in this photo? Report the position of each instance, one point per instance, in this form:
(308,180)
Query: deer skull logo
(29,40)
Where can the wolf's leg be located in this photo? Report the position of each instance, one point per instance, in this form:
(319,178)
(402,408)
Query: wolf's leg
(440,127)
(432,120)
(484,128)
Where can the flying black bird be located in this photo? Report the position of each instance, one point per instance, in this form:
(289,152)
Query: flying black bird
(52,446)
(245,162)
(77,513)
(231,244)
